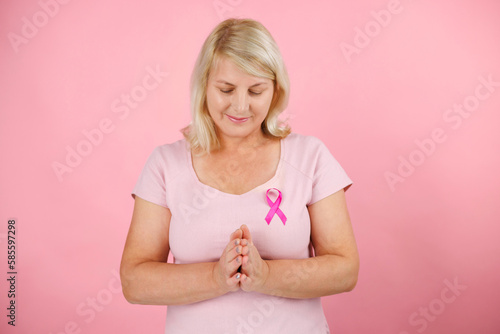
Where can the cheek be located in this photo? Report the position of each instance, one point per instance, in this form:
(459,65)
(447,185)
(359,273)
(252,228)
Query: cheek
(216,102)
(263,104)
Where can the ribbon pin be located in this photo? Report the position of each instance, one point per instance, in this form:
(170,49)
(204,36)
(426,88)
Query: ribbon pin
(274,207)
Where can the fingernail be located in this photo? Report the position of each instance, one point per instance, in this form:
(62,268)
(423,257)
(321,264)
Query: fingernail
(238,276)
(238,250)
(237,241)
(238,259)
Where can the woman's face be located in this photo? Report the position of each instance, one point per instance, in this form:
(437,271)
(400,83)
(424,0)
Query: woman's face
(237,102)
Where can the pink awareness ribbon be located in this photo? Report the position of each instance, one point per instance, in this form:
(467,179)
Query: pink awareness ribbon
(274,207)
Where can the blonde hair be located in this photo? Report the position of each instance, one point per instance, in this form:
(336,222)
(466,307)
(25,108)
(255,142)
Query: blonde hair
(252,48)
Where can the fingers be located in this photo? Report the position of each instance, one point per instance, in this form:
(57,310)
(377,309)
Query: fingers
(246,260)
(246,233)
(245,283)
(232,255)
(232,283)
(234,280)
(229,262)
(236,235)
(236,253)
(226,281)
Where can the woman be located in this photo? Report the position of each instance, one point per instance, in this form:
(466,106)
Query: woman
(242,203)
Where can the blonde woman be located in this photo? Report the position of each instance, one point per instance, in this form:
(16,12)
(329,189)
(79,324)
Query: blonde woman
(255,215)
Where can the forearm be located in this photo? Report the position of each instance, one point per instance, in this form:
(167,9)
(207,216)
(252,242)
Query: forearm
(158,283)
(312,277)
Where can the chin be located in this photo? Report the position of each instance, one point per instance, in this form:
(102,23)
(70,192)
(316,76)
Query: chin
(238,132)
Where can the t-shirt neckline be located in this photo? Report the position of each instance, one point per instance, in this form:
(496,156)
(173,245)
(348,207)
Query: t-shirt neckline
(275,176)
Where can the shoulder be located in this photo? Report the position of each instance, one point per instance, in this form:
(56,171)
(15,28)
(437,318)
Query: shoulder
(298,141)
(305,153)
(300,138)
(169,159)
(171,151)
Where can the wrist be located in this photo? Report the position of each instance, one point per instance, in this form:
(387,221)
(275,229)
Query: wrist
(215,281)
(266,270)
(218,286)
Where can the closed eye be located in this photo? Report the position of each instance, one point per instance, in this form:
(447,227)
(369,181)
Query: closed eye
(230,90)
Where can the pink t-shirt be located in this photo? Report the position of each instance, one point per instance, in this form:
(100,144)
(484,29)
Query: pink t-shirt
(204,217)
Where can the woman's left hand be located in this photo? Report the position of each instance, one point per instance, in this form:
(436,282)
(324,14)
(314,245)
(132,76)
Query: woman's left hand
(254,270)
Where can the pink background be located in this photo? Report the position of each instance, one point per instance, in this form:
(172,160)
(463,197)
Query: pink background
(438,224)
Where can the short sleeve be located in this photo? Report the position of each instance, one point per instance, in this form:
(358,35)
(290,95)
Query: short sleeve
(329,176)
(151,183)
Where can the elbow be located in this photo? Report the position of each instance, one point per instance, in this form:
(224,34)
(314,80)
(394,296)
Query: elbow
(130,296)
(352,276)
(130,292)
(347,276)
(351,283)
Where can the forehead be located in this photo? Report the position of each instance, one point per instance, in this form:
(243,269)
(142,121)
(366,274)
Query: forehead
(226,70)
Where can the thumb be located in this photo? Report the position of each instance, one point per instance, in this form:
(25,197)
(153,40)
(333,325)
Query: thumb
(246,233)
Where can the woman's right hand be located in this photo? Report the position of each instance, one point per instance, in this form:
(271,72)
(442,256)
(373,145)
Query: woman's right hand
(225,271)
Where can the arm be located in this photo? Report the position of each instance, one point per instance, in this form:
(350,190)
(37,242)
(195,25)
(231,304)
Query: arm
(333,270)
(148,279)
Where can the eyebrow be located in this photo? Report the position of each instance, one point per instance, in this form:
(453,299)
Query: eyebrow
(230,84)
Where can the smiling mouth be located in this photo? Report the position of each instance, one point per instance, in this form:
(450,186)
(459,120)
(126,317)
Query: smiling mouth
(237,119)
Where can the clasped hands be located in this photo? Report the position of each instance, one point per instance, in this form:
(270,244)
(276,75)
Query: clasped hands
(240,252)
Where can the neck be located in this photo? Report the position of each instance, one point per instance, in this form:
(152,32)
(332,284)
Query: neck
(235,144)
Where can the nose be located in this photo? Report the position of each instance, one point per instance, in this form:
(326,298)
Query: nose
(240,102)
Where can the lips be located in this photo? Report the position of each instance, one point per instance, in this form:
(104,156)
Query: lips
(237,119)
